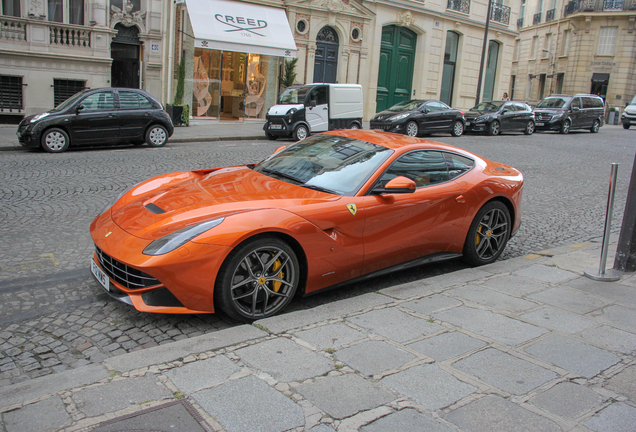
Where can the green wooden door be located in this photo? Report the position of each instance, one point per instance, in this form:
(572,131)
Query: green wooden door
(395,70)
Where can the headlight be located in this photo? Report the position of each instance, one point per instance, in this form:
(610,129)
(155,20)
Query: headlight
(291,111)
(39,116)
(480,119)
(172,241)
(399,117)
(557,116)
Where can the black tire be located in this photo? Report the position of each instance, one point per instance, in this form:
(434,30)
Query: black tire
(595,126)
(458,128)
(625,126)
(529,129)
(412,129)
(301,132)
(55,140)
(257,280)
(156,136)
(488,234)
(494,128)
(354,125)
(565,127)
(271,137)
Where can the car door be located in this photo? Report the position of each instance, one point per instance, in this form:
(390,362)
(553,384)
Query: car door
(317,109)
(432,118)
(576,114)
(404,226)
(524,115)
(508,117)
(135,115)
(97,119)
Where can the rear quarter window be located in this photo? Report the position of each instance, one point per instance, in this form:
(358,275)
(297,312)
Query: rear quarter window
(458,165)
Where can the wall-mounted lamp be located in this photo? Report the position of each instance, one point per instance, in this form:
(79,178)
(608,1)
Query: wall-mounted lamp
(533,76)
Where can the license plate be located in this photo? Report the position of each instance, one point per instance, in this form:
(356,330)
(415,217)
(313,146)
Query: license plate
(275,126)
(99,274)
(539,124)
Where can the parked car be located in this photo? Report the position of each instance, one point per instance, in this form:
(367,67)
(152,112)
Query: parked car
(629,115)
(563,113)
(334,207)
(494,117)
(420,117)
(98,116)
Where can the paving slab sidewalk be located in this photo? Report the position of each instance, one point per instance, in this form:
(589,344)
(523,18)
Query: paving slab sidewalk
(527,344)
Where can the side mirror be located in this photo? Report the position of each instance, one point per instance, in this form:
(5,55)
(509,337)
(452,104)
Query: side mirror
(279,149)
(80,108)
(399,184)
(312,103)
(505,110)
(576,109)
(426,110)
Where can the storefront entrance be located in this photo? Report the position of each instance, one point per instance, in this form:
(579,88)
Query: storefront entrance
(230,85)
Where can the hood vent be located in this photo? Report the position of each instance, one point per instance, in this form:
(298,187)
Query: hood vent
(154,209)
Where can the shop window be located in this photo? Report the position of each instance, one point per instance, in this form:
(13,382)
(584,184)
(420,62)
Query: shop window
(10,93)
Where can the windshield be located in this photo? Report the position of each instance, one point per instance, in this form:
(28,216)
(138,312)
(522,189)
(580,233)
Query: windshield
(70,101)
(487,106)
(333,164)
(553,102)
(294,95)
(633,102)
(406,105)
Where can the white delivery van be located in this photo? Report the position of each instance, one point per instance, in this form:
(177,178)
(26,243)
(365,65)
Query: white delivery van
(311,108)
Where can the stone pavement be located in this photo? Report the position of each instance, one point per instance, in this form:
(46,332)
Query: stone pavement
(525,344)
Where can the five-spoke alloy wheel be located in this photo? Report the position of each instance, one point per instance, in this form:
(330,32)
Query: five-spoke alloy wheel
(529,129)
(494,128)
(258,279)
(412,129)
(565,127)
(458,129)
(488,234)
(301,132)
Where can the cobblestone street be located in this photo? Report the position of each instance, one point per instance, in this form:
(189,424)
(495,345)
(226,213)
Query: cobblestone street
(54,316)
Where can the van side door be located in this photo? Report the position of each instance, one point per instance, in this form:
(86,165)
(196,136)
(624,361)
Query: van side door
(576,113)
(317,109)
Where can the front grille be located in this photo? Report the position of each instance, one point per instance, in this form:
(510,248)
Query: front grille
(543,117)
(124,275)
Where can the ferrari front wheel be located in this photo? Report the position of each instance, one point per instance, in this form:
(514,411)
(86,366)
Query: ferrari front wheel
(488,234)
(258,279)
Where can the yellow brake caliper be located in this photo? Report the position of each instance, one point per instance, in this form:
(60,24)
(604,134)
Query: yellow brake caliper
(478,237)
(276,284)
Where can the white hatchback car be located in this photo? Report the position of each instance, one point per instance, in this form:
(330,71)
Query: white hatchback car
(629,115)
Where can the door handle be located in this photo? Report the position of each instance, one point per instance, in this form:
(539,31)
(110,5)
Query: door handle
(325,109)
(111,115)
(460,199)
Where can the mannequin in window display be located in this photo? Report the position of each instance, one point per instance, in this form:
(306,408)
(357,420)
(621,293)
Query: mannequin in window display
(254,100)
(200,90)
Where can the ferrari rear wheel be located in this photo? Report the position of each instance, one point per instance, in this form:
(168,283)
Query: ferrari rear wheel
(257,280)
(488,234)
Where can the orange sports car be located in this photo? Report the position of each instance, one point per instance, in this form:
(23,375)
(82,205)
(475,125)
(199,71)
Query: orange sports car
(333,208)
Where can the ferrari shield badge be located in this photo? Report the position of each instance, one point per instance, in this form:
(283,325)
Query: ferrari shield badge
(352,209)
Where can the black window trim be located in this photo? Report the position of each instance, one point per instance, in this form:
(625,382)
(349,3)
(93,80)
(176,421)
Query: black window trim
(443,152)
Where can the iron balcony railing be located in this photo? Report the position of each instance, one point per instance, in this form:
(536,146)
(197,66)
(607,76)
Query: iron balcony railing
(459,5)
(575,6)
(520,23)
(536,19)
(549,15)
(500,14)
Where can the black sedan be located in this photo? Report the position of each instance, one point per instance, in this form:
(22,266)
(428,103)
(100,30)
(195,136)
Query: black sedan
(495,117)
(420,117)
(98,116)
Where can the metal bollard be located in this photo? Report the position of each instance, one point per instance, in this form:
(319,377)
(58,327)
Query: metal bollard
(600,274)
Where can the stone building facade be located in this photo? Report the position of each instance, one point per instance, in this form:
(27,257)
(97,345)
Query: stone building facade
(50,49)
(577,46)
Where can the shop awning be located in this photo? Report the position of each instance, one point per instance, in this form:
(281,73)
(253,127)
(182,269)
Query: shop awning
(240,26)
(600,77)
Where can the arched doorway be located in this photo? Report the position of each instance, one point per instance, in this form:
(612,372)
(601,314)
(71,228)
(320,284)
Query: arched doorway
(491,71)
(124,50)
(326,59)
(395,71)
(448,74)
